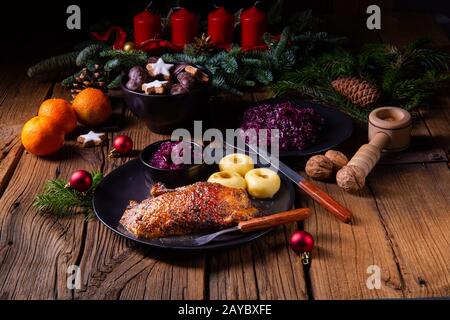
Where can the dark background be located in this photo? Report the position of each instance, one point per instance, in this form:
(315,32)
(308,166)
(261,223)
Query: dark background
(32,25)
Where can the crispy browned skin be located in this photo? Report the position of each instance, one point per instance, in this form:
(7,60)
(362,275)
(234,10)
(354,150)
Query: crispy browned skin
(192,209)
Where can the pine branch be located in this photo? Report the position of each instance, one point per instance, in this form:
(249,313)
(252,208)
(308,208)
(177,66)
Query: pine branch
(234,70)
(112,65)
(88,53)
(301,21)
(281,45)
(120,60)
(59,200)
(50,67)
(116,82)
(137,57)
(407,76)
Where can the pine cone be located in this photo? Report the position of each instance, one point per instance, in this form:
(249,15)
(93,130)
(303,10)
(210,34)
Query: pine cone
(203,45)
(88,78)
(359,91)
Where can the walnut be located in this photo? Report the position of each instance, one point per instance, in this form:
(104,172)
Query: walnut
(338,158)
(319,167)
(350,178)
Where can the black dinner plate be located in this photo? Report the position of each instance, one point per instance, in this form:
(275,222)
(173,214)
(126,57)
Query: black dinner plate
(127,183)
(338,127)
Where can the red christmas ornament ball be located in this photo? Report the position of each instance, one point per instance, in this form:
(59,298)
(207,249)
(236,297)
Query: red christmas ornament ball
(302,241)
(123,144)
(81,181)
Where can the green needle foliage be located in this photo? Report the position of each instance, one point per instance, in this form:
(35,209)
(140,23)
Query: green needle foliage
(407,76)
(236,69)
(233,71)
(50,68)
(112,64)
(60,200)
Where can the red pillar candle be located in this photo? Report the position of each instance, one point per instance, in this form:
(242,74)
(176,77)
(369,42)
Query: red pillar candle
(221,26)
(253,27)
(147,26)
(184,25)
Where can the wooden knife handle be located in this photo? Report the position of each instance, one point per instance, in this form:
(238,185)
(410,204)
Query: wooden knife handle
(274,220)
(326,201)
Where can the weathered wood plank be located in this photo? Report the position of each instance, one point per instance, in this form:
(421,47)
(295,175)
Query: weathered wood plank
(265,269)
(423,147)
(37,249)
(414,204)
(15,108)
(279,271)
(344,252)
(11,151)
(17,97)
(437,120)
(114,268)
(231,274)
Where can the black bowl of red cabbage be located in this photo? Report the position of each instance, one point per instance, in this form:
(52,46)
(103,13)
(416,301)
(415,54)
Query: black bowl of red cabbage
(299,128)
(159,164)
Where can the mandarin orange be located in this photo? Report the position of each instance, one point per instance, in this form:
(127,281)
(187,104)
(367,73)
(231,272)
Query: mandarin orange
(92,107)
(61,112)
(41,136)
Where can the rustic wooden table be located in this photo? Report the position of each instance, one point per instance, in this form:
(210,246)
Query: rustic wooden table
(401,219)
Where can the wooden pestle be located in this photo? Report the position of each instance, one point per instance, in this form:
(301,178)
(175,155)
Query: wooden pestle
(389,130)
(368,155)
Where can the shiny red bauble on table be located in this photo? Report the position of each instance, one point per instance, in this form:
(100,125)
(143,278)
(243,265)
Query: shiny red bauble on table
(80,181)
(302,241)
(123,144)
(221,26)
(184,26)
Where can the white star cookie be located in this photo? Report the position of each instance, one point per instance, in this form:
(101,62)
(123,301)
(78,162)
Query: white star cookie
(91,139)
(159,68)
(155,87)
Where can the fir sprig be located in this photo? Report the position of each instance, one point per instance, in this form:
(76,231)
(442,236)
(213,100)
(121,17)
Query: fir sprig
(60,200)
(236,69)
(407,76)
(51,67)
(97,57)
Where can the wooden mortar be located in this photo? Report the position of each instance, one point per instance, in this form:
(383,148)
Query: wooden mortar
(389,130)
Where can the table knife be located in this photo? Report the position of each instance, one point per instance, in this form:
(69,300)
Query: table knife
(252,225)
(325,200)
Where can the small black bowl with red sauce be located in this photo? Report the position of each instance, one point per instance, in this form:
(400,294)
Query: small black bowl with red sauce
(163,161)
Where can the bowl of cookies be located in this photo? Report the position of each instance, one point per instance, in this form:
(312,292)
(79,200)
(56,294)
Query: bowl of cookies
(167,96)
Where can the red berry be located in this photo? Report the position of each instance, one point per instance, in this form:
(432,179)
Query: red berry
(302,241)
(80,181)
(123,144)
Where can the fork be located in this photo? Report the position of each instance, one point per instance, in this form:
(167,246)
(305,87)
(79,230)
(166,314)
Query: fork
(252,225)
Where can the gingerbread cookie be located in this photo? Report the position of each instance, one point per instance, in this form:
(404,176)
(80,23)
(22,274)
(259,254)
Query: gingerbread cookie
(159,68)
(197,73)
(155,87)
(91,139)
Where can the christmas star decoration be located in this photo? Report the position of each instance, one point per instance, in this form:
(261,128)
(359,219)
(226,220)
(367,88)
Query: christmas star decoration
(91,139)
(159,68)
(154,87)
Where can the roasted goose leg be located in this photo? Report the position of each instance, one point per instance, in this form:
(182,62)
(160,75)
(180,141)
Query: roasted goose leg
(191,209)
